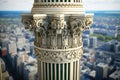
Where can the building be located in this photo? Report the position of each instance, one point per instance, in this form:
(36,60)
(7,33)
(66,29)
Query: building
(4,51)
(101,71)
(115,75)
(115,46)
(0,70)
(29,66)
(90,31)
(4,75)
(58,27)
(18,31)
(20,42)
(93,42)
(86,42)
(112,34)
(30,72)
(12,48)
(118,30)
(22,56)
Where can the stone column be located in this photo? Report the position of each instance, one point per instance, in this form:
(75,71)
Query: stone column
(58,28)
(59,59)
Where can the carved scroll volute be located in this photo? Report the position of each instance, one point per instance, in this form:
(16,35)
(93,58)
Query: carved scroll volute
(39,21)
(88,21)
(27,20)
(78,24)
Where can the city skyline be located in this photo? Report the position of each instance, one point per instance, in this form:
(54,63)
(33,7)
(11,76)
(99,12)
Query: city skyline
(13,5)
(56,46)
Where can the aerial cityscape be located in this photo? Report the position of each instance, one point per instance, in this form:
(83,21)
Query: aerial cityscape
(101,48)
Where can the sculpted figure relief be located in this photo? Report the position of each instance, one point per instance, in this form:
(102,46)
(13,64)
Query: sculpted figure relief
(41,26)
(65,42)
(62,23)
(58,23)
(75,25)
(54,24)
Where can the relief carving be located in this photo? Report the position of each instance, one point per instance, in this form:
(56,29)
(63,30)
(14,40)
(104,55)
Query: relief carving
(59,55)
(58,24)
(65,42)
(79,25)
(27,21)
(45,29)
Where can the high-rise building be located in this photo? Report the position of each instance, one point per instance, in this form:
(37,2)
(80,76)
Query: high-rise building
(20,42)
(4,51)
(101,71)
(86,42)
(4,75)
(93,42)
(0,70)
(12,48)
(58,27)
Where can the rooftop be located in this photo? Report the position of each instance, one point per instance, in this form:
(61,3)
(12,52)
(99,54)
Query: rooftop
(115,75)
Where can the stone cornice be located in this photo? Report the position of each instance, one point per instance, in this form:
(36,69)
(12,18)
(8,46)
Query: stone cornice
(62,5)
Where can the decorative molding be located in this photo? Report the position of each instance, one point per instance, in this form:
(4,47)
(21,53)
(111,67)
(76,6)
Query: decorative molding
(59,55)
(62,5)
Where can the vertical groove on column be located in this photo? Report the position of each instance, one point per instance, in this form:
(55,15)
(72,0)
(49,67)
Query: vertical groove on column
(55,71)
(39,70)
(51,71)
(69,71)
(63,72)
(44,71)
(59,72)
(48,71)
(66,71)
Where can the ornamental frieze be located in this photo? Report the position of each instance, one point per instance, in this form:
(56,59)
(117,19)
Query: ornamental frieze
(58,55)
